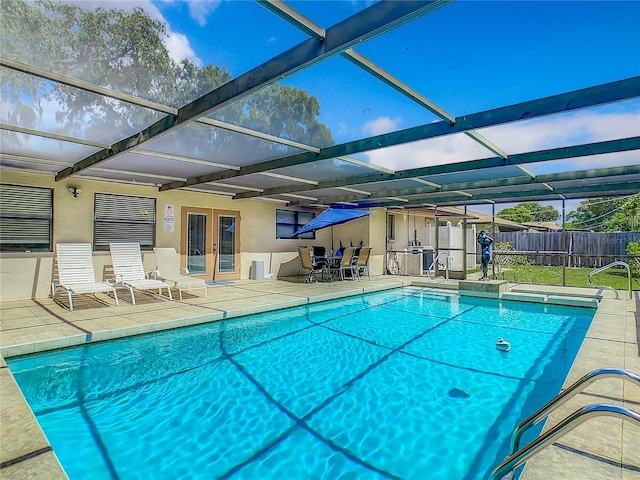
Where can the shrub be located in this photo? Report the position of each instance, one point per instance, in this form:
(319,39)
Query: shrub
(633,248)
(512,267)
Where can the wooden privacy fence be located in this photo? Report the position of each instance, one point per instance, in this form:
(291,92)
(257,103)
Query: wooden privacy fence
(584,249)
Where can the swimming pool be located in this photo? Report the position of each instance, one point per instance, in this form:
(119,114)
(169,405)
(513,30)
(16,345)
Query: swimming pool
(398,384)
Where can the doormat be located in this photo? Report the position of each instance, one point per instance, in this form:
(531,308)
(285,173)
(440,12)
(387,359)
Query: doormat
(220,282)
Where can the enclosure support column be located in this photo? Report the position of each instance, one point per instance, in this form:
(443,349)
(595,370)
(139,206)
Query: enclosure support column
(464,245)
(437,241)
(385,266)
(564,246)
(493,235)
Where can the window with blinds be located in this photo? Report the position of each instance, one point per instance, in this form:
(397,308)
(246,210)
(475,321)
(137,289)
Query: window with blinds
(121,218)
(26,215)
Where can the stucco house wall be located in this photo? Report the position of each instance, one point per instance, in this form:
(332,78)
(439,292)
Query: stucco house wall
(27,275)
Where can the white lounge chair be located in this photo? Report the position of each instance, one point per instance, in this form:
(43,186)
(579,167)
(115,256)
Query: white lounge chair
(129,272)
(75,272)
(168,269)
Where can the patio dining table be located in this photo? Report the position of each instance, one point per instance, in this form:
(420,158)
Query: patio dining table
(334,264)
(334,260)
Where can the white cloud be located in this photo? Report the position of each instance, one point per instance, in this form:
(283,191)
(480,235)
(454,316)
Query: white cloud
(564,130)
(178,47)
(381,125)
(436,151)
(343,127)
(582,127)
(271,40)
(200,10)
(177,44)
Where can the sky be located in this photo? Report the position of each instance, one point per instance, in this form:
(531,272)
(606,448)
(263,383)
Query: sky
(467,57)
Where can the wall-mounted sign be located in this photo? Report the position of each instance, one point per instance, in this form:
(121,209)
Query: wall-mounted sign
(169,218)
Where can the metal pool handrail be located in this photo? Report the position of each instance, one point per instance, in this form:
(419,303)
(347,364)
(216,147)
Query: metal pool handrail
(602,269)
(435,260)
(569,393)
(572,421)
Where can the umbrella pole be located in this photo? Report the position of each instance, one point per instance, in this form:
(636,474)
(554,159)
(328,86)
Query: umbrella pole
(332,250)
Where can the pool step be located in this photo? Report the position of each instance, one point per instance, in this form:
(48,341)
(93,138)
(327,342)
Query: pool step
(593,294)
(525,297)
(573,301)
(489,289)
(573,298)
(445,285)
(568,299)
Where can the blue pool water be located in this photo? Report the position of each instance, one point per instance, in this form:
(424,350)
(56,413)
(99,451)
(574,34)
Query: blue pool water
(403,384)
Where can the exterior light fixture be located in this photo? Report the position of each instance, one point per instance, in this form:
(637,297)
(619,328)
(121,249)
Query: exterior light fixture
(75,191)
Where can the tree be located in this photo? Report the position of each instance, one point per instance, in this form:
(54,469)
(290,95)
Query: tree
(529,212)
(542,213)
(111,48)
(517,214)
(632,209)
(606,214)
(124,51)
(633,248)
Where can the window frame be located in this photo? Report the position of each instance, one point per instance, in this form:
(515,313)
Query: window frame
(296,225)
(21,215)
(391,230)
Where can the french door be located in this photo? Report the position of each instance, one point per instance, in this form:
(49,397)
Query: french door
(210,246)
(226,235)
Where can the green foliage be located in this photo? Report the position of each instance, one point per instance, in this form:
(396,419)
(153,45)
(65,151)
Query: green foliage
(633,248)
(517,214)
(630,209)
(514,267)
(28,40)
(607,215)
(542,213)
(529,212)
(511,266)
(111,48)
(575,277)
(123,50)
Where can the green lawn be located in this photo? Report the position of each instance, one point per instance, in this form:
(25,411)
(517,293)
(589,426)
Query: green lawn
(575,277)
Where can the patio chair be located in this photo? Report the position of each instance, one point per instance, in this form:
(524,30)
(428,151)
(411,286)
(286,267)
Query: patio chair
(75,272)
(346,264)
(129,272)
(168,270)
(320,255)
(306,263)
(362,263)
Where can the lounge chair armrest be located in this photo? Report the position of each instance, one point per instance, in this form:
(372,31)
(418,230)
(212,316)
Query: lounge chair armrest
(153,274)
(114,280)
(186,270)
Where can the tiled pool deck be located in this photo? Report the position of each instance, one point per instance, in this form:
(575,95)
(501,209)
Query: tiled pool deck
(599,449)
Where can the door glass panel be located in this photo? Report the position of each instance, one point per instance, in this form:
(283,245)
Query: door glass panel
(196,233)
(226,244)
